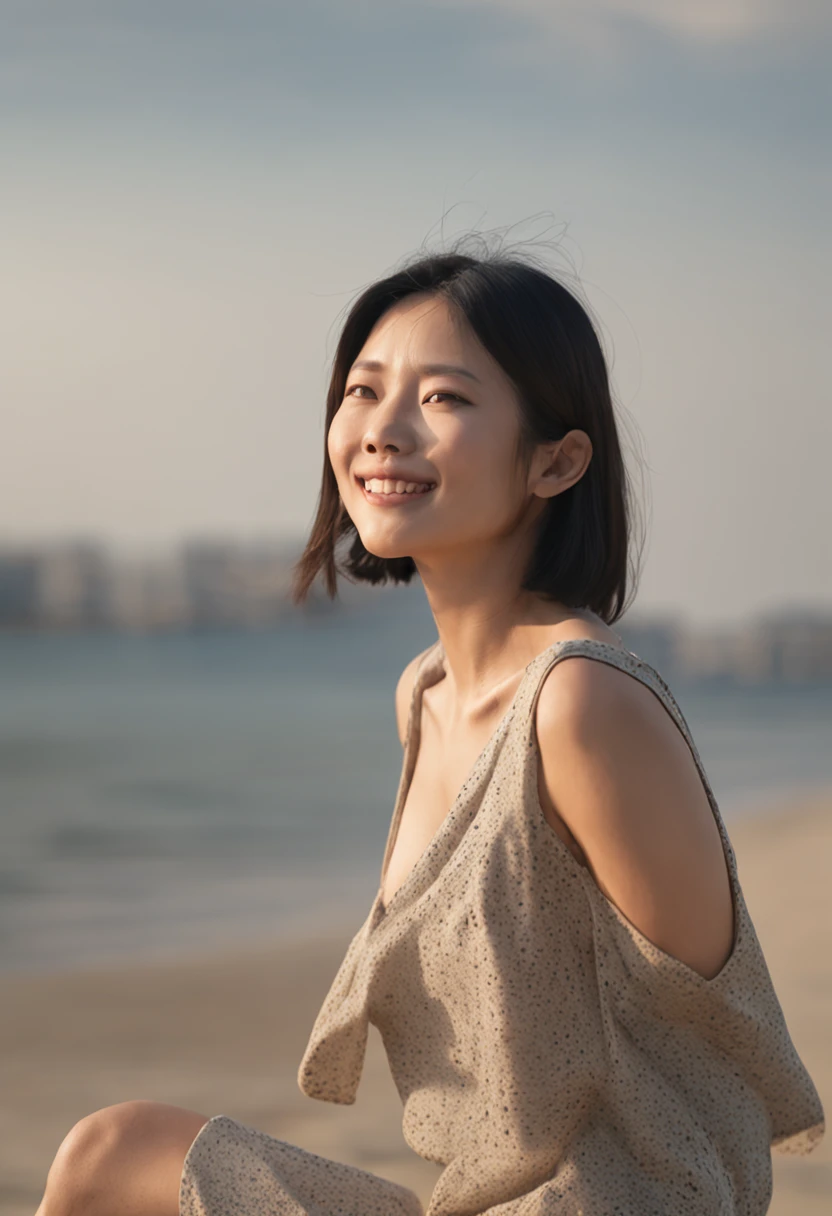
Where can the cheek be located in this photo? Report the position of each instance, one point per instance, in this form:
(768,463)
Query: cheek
(335,452)
(336,443)
(478,461)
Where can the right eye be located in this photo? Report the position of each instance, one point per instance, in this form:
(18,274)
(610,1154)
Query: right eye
(351,390)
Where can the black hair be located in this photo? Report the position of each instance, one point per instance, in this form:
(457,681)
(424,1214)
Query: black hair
(544,340)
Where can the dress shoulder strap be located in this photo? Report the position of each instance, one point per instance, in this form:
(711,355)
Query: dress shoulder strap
(604,652)
(630,663)
(522,713)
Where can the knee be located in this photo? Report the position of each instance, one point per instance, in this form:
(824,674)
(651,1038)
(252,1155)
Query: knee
(86,1153)
(91,1166)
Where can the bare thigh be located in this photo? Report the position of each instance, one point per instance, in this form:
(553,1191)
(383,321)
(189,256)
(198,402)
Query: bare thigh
(124,1159)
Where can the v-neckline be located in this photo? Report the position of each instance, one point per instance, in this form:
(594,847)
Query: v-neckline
(413,738)
(435,664)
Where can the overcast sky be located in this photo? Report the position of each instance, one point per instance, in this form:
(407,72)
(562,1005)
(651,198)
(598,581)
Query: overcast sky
(192,193)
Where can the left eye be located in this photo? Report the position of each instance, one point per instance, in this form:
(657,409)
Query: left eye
(455,396)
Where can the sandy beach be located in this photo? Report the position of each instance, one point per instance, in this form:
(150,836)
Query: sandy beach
(225,1034)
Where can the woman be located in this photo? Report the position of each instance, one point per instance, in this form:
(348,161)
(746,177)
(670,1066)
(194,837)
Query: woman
(559,959)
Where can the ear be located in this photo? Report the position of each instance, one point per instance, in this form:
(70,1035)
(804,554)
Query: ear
(558,465)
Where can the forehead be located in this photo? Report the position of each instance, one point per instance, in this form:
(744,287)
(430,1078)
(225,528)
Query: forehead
(420,324)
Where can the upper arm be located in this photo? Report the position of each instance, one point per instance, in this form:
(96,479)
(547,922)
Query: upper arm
(620,774)
(404,693)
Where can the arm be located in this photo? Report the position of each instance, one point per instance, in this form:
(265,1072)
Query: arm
(616,770)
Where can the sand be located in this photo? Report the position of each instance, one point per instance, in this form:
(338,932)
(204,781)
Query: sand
(225,1034)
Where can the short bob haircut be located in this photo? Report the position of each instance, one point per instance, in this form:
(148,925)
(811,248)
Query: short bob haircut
(545,342)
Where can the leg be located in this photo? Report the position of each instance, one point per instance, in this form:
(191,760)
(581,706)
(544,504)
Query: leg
(235,1170)
(124,1159)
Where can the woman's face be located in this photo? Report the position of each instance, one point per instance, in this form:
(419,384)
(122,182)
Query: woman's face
(425,402)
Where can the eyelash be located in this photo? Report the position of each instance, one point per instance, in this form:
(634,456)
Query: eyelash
(437,393)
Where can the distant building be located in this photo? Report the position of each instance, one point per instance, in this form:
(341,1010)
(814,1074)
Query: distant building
(793,646)
(265,583)
(148,595)
(708,654)
(19,590)
(656,639)
(74,586)
(63,585)
(213,582)
(219,583)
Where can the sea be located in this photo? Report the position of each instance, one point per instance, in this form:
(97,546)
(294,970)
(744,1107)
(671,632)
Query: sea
(167,794)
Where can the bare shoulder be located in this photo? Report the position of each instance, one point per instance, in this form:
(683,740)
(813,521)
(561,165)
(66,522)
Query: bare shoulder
(617,771)
(404,693)
(578,687)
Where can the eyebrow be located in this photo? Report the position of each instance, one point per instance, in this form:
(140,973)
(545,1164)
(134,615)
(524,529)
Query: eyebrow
(427,369)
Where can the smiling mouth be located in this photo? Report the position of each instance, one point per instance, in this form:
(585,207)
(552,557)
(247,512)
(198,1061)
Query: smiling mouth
(420,490)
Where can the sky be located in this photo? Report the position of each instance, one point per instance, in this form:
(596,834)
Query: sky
(193,193)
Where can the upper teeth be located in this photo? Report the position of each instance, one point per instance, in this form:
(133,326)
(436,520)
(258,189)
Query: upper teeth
(376,486)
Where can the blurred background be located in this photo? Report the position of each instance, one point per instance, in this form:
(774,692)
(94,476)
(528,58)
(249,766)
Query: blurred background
(193,193)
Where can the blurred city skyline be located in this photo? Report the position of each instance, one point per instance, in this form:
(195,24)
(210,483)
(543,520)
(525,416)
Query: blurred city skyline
(193,193)
(203,584)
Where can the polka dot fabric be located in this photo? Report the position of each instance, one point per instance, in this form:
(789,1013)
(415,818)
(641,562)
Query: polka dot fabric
(547,1054)
(233,1170)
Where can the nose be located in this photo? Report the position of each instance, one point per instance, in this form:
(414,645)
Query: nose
(387,431)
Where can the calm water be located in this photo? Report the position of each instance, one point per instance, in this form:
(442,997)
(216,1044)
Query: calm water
(164,793)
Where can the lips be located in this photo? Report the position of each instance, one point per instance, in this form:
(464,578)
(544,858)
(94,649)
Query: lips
(393,498)
(362,479)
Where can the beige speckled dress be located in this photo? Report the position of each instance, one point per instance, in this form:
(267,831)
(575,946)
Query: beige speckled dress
(553,1059)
